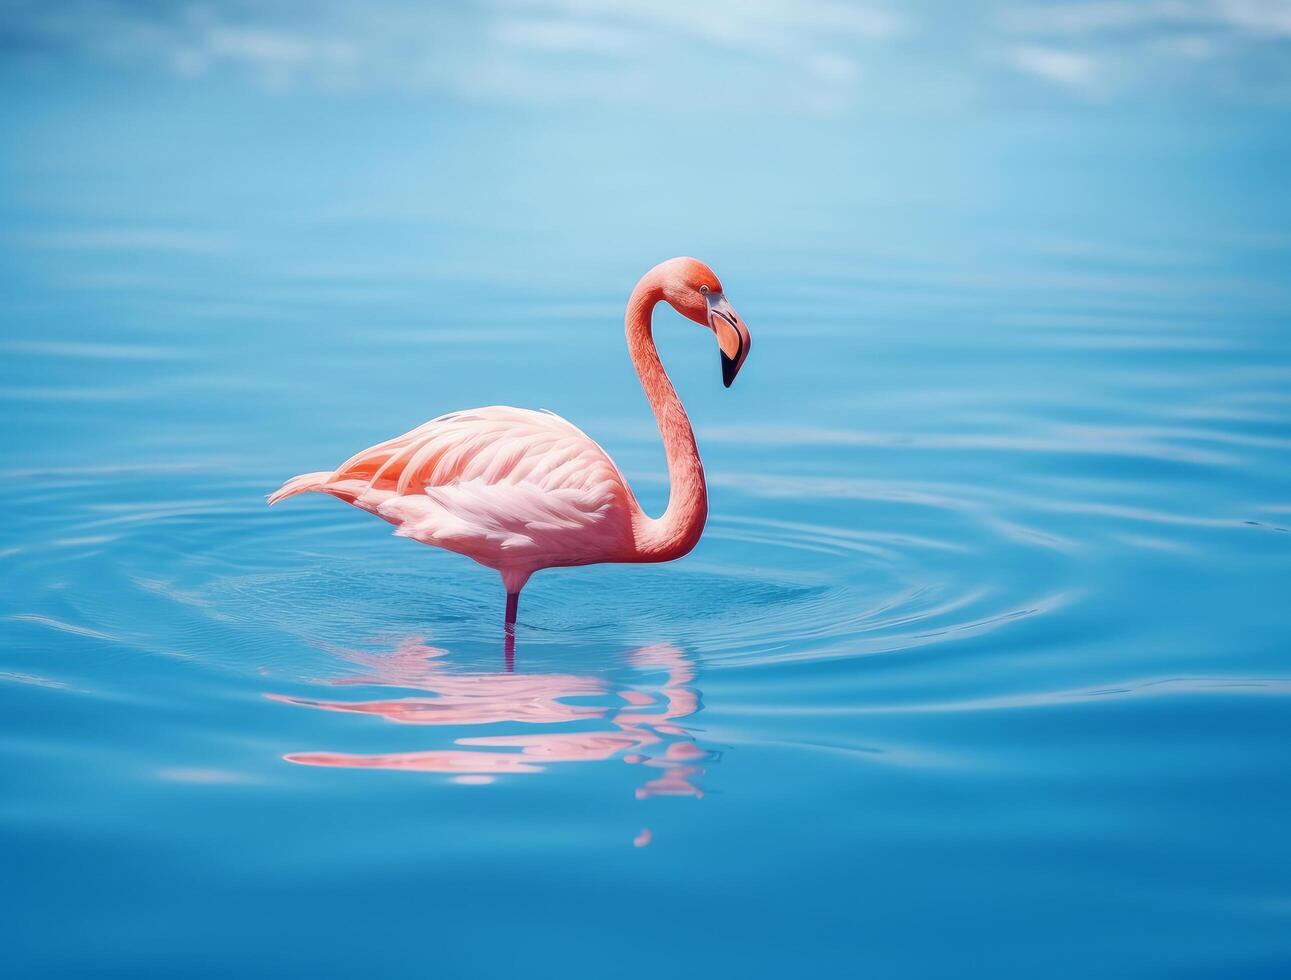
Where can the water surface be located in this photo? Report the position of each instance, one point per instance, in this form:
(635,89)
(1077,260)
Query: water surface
(979,669)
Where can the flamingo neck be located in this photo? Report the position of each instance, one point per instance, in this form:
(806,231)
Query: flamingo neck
(678,530)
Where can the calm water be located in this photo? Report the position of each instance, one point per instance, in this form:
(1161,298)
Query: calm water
(981,667)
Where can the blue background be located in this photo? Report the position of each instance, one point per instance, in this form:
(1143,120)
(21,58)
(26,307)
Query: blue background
(981,666)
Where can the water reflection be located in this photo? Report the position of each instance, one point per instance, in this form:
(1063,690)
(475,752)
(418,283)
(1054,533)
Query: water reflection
(631,714)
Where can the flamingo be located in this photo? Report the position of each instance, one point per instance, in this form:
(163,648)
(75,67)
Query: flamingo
(520,490)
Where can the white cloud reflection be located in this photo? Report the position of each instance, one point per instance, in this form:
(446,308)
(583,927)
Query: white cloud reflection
(1069,68)
(1234,49)
(796,54)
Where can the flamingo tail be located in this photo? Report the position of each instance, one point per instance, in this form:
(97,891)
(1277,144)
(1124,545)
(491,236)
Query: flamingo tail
(305,483)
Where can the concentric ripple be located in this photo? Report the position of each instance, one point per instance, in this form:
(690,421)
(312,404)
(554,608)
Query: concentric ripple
(320,608)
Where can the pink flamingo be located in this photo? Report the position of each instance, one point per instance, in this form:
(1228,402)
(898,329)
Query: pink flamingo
(519,490)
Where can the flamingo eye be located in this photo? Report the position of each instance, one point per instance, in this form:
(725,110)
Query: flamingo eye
(703,288)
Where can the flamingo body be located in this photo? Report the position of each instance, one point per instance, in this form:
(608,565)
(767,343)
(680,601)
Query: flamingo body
(519,490)
(514,489)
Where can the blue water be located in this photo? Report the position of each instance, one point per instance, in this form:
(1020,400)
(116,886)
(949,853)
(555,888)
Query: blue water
(980,669)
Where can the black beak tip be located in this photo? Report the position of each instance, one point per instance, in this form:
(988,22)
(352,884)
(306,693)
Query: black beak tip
(729,369)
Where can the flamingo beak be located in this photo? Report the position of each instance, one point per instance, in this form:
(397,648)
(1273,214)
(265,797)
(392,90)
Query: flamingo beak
(732,335)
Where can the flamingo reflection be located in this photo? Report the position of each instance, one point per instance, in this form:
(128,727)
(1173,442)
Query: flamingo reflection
(636,720)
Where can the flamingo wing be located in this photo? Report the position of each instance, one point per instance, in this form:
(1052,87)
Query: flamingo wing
(509,487)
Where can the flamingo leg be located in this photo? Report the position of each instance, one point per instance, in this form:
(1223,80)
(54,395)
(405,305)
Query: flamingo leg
(509,630)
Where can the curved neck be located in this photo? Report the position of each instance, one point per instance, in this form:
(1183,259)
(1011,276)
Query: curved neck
(678,530)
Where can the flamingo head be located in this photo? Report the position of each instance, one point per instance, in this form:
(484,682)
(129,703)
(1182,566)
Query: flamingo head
(696,293)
